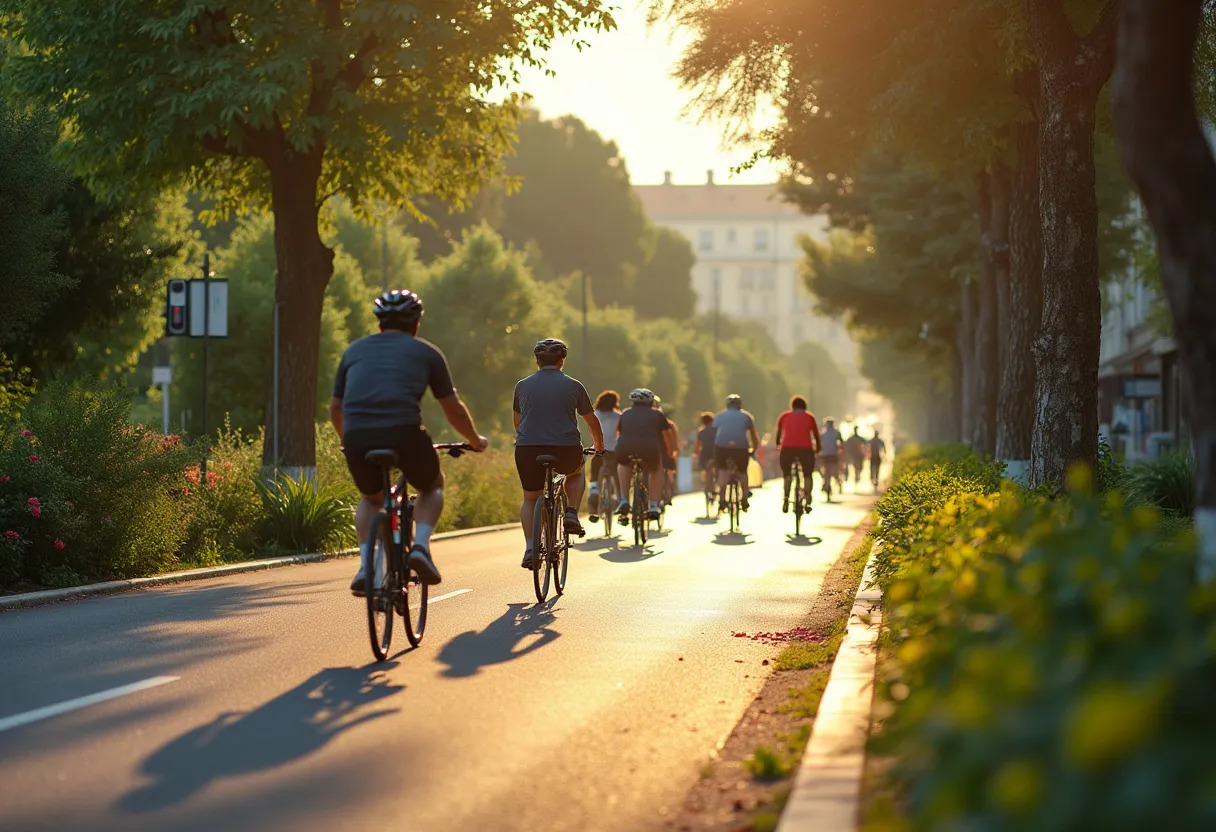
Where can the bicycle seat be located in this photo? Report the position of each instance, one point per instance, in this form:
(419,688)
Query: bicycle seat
(382,457)
(547,459)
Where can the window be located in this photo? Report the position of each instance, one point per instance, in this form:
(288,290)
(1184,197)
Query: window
(730,236)
(760,241)
(748,279)
(767,279)
(706,240)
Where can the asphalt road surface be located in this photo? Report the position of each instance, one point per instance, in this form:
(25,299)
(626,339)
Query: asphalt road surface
(252,703)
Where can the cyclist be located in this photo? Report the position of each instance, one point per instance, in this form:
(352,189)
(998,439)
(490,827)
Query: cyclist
(798,439)
(546,410)
(878,449)
(703,451)
(830,447)
(671,460)
(735,439)
(607,410)
(643,432)
(376,405)
(855,452)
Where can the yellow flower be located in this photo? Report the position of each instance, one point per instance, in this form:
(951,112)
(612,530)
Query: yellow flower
(1111,722)
(1080,480)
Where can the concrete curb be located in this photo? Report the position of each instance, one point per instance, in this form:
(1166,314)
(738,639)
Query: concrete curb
(51,596)
(826,796)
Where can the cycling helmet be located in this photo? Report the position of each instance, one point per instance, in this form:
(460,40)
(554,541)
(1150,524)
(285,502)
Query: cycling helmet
(550,350)
(642,396)
(399,306)
(734,399)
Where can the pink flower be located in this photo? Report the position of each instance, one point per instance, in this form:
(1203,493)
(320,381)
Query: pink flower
(11,535)
(34,510)
(33,501)
(59,544)
(212,479)
(107,518)
(68,504)
(33,459)
(27,433)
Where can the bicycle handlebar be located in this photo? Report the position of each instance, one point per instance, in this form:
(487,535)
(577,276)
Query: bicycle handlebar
(454,449)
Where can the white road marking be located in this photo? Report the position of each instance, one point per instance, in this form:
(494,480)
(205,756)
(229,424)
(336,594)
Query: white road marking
(17,720)
(443,597)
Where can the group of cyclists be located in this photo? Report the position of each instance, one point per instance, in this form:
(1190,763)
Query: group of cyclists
(376,405)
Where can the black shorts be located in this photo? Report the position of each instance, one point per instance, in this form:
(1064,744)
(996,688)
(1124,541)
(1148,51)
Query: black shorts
(740,456)
(415,456)
(650,456)
(601,461)
(532,473)
(804,456)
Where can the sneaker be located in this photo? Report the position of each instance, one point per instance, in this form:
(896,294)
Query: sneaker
(623,508)
(654,513)
(593,504)
(573,526)
(745,505)
(785,506)
(420,562)
(721,506)
(358,587)
(527,562)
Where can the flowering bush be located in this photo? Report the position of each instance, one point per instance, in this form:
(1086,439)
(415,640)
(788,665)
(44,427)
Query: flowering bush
(222,510)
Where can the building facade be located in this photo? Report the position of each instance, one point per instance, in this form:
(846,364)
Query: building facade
(746,241)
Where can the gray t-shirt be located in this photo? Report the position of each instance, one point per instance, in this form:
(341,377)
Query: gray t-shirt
(609,419)
(549,403)
(828,439)
(733,428)
(382,378)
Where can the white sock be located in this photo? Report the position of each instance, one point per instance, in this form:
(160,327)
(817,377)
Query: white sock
(595,488)
(422,534)
(528,543)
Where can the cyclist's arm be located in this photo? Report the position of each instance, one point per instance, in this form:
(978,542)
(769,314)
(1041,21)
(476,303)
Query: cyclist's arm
(815,433)
(751,429)
(460,418)
(777,434)
(597,430)
(335,415)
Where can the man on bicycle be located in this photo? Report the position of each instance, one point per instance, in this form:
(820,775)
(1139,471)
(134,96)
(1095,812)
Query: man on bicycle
(878,449)
(735,430)
(855,453)
(797,437)
(703,451)
(643,433)
(671,460)
(607,410)
(376,405)
(829,455)
(547,406)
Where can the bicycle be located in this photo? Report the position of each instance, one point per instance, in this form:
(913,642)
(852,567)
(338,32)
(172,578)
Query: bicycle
(390,578)
(830,471)
(709,477)
(801,506)
(550,540)
(732,495)
(608,497)
(640,502)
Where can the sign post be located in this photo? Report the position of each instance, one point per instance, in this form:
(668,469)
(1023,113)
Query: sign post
(163,376)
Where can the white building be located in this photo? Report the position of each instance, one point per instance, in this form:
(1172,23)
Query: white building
(746,240)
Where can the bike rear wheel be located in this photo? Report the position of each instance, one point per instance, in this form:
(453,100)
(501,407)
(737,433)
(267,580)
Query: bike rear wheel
(561,555)
(380,574)
(641,505)
(608,503)
(732,504)
(542,545)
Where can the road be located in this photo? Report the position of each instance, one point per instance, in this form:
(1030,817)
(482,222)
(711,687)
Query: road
(254,705)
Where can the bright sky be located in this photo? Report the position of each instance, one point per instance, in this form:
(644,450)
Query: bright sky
(621,86)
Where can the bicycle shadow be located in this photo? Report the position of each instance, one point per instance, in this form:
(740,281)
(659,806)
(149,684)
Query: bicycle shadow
(596,544)
(287,728)
(522,629)
(803,540)
(732,539)
(704,521)
(631,554)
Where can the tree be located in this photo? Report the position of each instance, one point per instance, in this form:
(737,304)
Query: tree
(29,226)
(258,103)
(1171,163)
(664,285)
(385,253)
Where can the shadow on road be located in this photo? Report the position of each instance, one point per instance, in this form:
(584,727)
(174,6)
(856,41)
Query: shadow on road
(517,632)
(287,728)
(596,544)
(632,554)
(732,539)
(802,540)
(704,521)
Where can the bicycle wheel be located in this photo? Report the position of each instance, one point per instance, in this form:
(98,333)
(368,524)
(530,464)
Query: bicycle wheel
(561,553)
(732,504)
(379,570)
(542,544)
(608,498)
(641,505)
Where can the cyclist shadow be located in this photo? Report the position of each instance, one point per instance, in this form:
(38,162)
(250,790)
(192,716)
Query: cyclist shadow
(704,521)
(732,539)
(285,729)
(631,554)
(596,544)
(802,540)
(519,631)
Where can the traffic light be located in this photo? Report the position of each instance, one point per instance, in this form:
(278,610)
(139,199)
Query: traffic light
(176,319)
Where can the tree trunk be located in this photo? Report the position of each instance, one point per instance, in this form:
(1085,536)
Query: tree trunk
(1072,71)
(986,367)
(1015,404)
(1168,158)
(968,309)
(305,265)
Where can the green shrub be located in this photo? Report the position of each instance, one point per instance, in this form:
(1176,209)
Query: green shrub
(301,516)
(914,457)
(107,492)
(224,509)
(480,490)
(1055,663)
(1168,483)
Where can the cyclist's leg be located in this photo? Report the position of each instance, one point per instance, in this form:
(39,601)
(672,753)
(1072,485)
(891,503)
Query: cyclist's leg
(420,467)
(369,479)
(624,476)
(787,473)
(657,475)
(532,482)
(570,463)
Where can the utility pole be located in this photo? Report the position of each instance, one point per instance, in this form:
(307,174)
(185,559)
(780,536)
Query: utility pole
(206,350)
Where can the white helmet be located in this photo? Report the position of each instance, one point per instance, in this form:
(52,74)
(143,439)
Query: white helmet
(642,396)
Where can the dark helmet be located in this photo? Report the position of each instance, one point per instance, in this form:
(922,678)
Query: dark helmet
(399,306)
(550,350)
